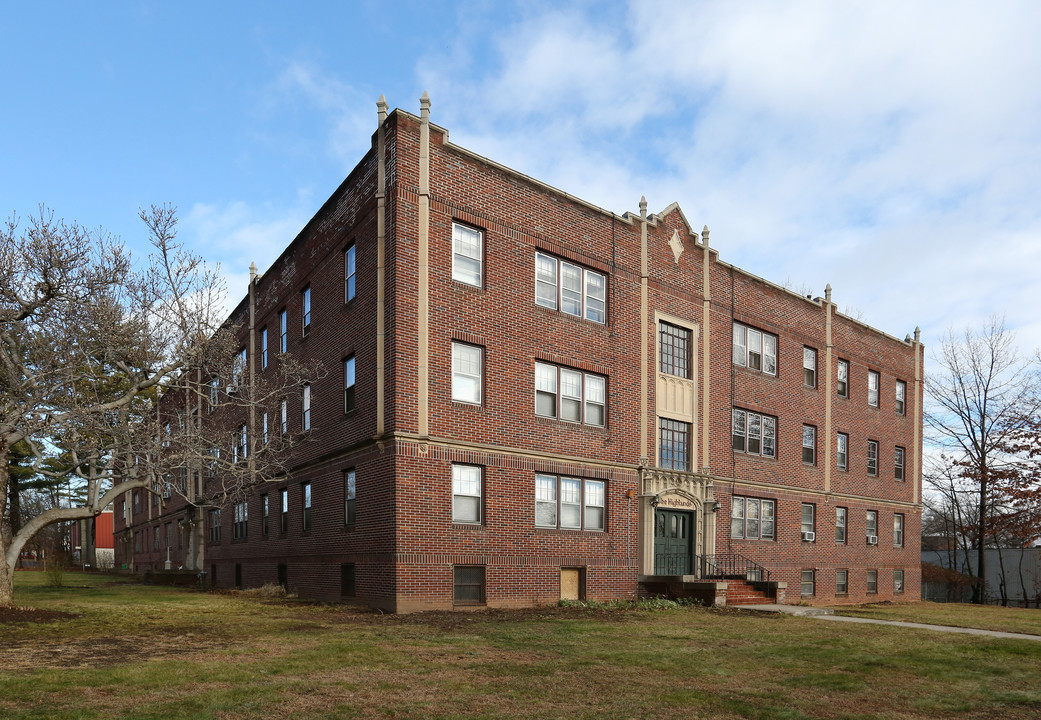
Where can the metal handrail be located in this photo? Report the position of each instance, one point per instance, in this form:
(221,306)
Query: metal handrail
(723,565)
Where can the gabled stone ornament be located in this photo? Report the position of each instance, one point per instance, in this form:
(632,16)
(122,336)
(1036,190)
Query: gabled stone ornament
(677,245)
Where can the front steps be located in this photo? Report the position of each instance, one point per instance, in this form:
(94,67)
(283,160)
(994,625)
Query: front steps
(721,592)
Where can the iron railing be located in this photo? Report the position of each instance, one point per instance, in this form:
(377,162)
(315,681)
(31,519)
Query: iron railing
(673,564)
(732,565)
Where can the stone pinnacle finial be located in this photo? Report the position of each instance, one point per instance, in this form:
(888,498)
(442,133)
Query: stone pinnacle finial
(424,102)
(381,107)
(252,272)
(917,333)
(827,292)
(704,235)
(643,204)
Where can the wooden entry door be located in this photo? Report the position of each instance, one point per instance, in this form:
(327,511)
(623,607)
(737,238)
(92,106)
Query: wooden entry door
(673,542)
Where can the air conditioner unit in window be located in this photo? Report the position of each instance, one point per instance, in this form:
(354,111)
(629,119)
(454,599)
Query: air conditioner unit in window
(872,539)
(809,537)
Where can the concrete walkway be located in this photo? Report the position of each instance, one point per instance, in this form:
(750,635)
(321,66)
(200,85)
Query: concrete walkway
(829,614)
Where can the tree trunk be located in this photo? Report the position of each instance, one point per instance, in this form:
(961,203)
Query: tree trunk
(978,590)
(6,569)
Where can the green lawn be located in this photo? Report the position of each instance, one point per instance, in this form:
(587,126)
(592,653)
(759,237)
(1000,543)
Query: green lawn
(150,652)
(986,617)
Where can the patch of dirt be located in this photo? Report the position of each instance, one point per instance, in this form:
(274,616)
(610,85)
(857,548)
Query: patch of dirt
(99,652)
(12,615)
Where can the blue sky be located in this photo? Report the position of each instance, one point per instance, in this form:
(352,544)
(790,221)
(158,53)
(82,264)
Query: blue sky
(890,149)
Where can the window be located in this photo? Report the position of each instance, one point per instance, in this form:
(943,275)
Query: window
(349,273)
(842,386)
(673,444)
(569,503)
(570,395)
(350,491)
(238,368)
(842,582)
(348,384)
(215,526)
(166,435)
(872,388)
(754,434)
(264,430)
(306,518)
(809,444)
(283,330)
(755,349)
(467,373)
(305,420)
(214,393)
(347,580)
(155,538)
(809,512)
(898,463)
(841,514)
(467,255)
(808,586)
(842,451)
(466,494)
(898,530)
(570,288)
(241,521)
(468,584)
(243,441)
(809,367)
(872,582)
(872,458)
(674,350)
(871,525)
(285,416)
(898,582)
(265,511)
(284,502)
(137,502)
(751,518)
(263,349)
(901,397)
(305,310)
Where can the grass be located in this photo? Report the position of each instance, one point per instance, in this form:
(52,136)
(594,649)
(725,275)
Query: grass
(153,652)
(985,617)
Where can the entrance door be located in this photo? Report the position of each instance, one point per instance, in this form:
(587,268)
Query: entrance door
(673,542)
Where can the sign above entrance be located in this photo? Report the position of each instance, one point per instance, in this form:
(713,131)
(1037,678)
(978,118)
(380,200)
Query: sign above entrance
(673,499)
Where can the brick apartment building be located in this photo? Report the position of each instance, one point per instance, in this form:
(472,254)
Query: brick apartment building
(529,397)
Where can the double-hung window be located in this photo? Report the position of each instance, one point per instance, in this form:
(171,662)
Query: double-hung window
(674,350)
(215,526)
(305,310)
(842,451)
(872,458)
(841,514)
(350,493)
(570,288)
(752,518)
(241,521)
(898,530)
(754,434)
(283,330)
(872,582)
(808,585)
(238,369)
(901,397)
(264,429)
(348,384)
(263,349)
(350,271)
(809,367)
(872,388)
(871,526)
(809,518)
(809,444)
(265,512)
(284,409)
(242,443)
(306,518)
(284,503)
(467,373)
(842,582)
(305,419)
(466,494)
(467,255)
(214,393)
(673,444)
(570,395)
(898,582)
(755,349)
(842,379)
(898,463)
(569,503)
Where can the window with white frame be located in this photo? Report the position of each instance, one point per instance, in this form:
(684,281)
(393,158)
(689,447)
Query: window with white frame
(467,255)
(754,434)
(673,444)
(841,514)
(752,518)
(808,524)
(809,367)
(808,586)
(283,495)
(898,582)
(570,395)
(284,409)
(570,288)
(755,349)
(306,516)
(350,271)
(842,451)
(305,310)
(871,524)
(350,496)
(901,397)
(872,458)
(809,444)
(842,379)
(674,350)
(467,373)
(263,349)
(872,582)
(283,330)
(842,582)
(305,408)
(872,388)
(264,428)
(214,393)
(466,494)
(898,463)
(898,530)
(241,521)
(348,384)
(569,503)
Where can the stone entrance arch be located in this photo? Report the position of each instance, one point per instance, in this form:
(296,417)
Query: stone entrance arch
(675,491)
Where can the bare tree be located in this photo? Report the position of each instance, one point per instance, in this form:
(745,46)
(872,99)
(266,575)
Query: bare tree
(982,394)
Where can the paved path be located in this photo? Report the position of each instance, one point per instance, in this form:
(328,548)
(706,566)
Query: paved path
(829,614)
